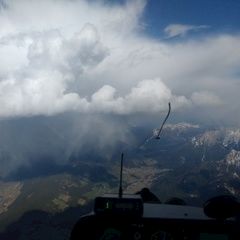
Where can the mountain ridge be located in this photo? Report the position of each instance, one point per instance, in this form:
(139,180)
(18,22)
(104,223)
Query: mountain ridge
(191,161)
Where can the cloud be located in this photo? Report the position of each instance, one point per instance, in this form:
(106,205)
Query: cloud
(174,30)
(149,96)
(92,57)
(43,57)
(205,99)
(50,62)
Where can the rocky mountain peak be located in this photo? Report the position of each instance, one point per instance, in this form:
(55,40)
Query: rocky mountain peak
(233,158)
(225,137)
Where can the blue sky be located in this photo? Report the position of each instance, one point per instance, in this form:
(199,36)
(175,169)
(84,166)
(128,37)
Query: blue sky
(220,15)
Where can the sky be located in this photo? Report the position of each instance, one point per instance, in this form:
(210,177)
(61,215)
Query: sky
(120,59)
(219,15)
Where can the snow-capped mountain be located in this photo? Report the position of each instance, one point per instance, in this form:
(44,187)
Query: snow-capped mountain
(226,137)
(204,161)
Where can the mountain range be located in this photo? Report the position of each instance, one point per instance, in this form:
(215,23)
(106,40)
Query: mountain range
(46,198)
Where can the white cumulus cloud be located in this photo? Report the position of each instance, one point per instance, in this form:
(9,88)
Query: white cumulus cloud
(148,96)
